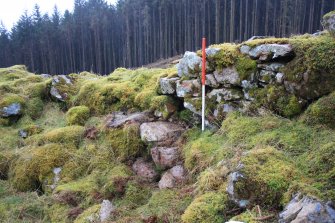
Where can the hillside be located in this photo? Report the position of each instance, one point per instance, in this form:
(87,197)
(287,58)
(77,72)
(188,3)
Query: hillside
(127,147)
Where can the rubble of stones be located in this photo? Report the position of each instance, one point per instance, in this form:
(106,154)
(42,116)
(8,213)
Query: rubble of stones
(225,88)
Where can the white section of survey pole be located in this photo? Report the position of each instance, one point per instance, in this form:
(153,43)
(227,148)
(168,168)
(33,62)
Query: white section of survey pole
(203,108)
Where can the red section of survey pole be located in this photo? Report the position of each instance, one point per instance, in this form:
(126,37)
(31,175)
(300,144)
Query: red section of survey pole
(203,79)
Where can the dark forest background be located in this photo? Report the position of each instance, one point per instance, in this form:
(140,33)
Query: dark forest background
(100,37)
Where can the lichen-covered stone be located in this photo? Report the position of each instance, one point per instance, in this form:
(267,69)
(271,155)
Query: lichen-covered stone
(211,81)
(188,88)
(14,109)
(193,105)
(228,75)
(225,94)
(145,170)
(160,131)
(106,210)
(266,76)
(189,65)
(172,177)
(168,85)
(165,157)
(119,119)
(275,66)
(328,22)
(307,209)
(268,52)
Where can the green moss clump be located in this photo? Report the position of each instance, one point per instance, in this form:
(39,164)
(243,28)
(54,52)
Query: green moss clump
(35,108)
(245,67)
(9,99)
(325,22)
(90,213)
(208,207)
(165,205)
(77,115)
(123,144)
(226,56)
(267,176)
(271,40)
(321,112)
(205,150)
(67,135)
(33,169)
(277,99)
(5,161)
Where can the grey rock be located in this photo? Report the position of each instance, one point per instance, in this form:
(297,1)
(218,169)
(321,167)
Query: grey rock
(160,131)
(275,67)
(56,171)
(306,209)
(165,157)
(14,109)
(232,179)
(212,51)
(188,88)
(189,65)
(106,209)
(244,49)
(145,170)
(119,119)
(228,75)
(246,87)
(57,79)
(168,85)
(223,109)
(23,133)
(190,105)
(55,94)
(172,177)
(266,76)
(46,76)
(225,94)
(280,78)
(328,22)
(211,81)
(267,52)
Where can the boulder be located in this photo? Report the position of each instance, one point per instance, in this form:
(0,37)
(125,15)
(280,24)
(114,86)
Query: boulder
(106,210)
(225,94)
(211,81)
(244,49)
(275,67)
(280,78)
(307,209)
(268,52)
(168,85)
(46,76)
(233,178)
(210,52)
(190,104)
(160,131)
(61,78)
(145,170)
(57,90)
(228,75)
(328,22)
(56,95)
(189,65)
(14,109)
(172,177)
(119,119)
(165,157)
(188,88)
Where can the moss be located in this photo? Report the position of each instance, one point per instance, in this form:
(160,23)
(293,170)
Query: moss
(33,168)
(165,205)
(9,139)
(67,135)
(204,151)
(90,213)
(77,115)
(314,59)
(251,216)
(35,108)
(52,117)
(122,143)
(9,99)
(325,22)
(136,195)
(271,40)
(267,176)
(212,179)
(5,161)
(278,100)
(165,105)
(321,112)
(58,213)
(245,67)
(225,57)
(208,207)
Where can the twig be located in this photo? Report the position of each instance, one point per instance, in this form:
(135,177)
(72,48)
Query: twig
(264,218)
(259,211)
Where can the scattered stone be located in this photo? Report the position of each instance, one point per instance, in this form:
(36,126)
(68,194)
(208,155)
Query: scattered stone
(307,209)
(23,133)
(328,22)
(188,88)
(119,119)
(106,210)
(145,170)
(280,78)
(189,65)
(14,109)
(267,52)
(165,157)
(172,177)
(225,94)
(168,85)
(46,76)
(228,75)
(57,79)
(160,131)
(211,81)
(56,171)
(275,67)
(55,94)
(212,51)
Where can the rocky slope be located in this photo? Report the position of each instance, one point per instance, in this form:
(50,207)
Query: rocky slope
(127,148)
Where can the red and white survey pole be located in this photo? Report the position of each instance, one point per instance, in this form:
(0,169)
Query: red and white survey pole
(203,83)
